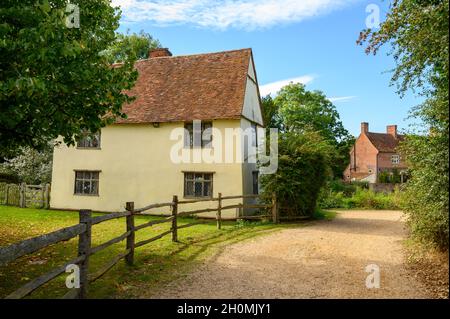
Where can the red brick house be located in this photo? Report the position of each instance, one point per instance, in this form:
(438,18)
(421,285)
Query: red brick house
(374,153)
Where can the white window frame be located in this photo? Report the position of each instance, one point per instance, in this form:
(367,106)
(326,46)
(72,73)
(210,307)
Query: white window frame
(395,159)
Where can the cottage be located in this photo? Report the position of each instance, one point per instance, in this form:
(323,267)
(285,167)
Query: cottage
(137,158)
(374,153)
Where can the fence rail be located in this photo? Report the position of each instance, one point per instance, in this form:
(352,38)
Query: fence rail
(24,195)
(84,232)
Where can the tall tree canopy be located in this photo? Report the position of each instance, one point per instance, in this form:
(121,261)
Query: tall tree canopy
(296,109)
(131,46)
(418,33)
(53,78)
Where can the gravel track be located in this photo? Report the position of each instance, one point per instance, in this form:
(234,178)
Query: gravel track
(324,259)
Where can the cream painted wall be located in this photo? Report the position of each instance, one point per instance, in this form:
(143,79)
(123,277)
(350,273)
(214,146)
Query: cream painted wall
(135,165)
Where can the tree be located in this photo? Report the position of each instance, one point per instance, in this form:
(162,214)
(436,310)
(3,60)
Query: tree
(418,32)
(270,112)
(53,78)
(31,166)
(300,110)
(131,46)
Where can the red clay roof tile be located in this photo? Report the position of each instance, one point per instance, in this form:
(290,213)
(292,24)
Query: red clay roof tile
(185,88)
(384,142)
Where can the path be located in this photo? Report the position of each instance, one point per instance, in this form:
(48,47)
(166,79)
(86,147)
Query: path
(325,259)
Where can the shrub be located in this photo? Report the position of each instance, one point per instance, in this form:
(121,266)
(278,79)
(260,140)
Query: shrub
(361,198)
(302,171)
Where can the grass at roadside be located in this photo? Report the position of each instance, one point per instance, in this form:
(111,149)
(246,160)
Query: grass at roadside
(155,264)
(321,214)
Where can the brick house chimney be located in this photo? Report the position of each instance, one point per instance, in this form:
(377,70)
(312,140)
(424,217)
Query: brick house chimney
(159,52)
(364,127)
(392,130)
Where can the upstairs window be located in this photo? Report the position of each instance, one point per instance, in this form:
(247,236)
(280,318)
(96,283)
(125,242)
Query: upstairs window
(198,135)
(86,182)
(198,184)
(395,159)
(89,140)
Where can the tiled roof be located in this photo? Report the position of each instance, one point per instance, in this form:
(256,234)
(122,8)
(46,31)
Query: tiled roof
(384,142)
(184,88)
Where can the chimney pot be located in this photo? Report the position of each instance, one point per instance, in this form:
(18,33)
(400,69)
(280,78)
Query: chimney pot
(392,130)
(159,52)
(364,127)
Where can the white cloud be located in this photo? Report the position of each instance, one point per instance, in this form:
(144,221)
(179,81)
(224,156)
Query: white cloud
(274,87)
(223,14)
(341,98)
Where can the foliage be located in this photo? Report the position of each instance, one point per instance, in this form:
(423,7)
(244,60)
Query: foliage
(392,176)
(7,176)
(303,167)
(31,166)
(299,110)
(418,31)
(358,197)
(54,79)
(270,113)
(426,196)
(131,46)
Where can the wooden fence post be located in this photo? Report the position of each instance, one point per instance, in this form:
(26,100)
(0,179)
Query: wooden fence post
(219,212)
(47,196)
(275,211)
(42,196)
(130,239)
(174,220)
(84,248)
(22,195)
(6,194)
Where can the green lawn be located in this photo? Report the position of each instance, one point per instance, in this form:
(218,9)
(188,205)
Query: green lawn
(155,264)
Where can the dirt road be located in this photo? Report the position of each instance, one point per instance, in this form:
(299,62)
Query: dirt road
(325,259)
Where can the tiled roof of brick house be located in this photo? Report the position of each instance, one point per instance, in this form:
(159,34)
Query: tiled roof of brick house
(183,88)
(384,142)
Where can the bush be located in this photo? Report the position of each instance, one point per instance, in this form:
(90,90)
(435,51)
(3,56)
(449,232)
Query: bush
(360,198)
(303,167)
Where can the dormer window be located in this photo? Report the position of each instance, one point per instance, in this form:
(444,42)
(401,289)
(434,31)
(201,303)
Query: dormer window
(89,140)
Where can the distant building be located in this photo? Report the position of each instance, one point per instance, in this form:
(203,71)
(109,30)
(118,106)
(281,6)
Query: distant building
(374,153)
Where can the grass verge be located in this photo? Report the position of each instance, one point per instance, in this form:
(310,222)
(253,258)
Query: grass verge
(155,264)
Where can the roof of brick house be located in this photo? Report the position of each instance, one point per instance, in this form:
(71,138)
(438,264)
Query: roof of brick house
(385,142)
(183,88)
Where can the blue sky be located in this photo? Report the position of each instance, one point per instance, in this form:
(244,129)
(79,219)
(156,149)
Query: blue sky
(311,41)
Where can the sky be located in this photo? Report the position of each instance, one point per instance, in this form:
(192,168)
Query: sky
(307,41)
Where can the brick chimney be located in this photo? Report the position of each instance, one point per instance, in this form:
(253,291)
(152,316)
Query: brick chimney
(392,130)
(364,127)
(159,52)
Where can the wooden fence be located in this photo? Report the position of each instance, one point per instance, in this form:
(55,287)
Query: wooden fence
(85,249)
(23,195)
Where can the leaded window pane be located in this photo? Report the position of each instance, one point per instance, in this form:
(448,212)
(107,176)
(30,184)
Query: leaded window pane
(198,184)
(86,183)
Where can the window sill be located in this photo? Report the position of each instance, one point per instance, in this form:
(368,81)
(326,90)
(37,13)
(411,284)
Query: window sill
(198,148)
(88,148)
(195,197)
(87,195)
